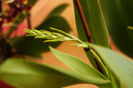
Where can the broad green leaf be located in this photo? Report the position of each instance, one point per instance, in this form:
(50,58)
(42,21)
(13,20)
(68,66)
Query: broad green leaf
(29,46)
(80,67)
(121,66)
(95,22)
(115,81)
(26,74)
(118,15)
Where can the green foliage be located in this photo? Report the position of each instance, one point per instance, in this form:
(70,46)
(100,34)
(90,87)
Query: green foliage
(116,64)
(80,67)
(95,22)
(109,70)
(50,36)
(118,16)
(119,65)
(30,46)
(26,74)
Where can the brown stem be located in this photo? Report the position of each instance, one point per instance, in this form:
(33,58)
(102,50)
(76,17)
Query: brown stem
(84,23)
(29,21)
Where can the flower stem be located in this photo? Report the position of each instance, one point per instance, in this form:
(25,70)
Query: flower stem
(84,23)
(29,20)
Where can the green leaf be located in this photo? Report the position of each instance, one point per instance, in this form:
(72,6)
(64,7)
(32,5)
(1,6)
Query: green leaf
(80,67)
(26,74)
(95,21)
(96,25)
(121,66)
(31,46)
(83,36)
(56,22)
(35,47)
(118,15)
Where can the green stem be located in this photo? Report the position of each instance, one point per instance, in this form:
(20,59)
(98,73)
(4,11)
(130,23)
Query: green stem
(100,65)
(104,69)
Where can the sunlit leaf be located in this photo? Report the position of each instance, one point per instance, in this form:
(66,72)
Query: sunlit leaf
(80,67)
(121,66)
(26,74)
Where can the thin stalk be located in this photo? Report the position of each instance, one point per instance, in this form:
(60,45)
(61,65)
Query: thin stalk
(103,69)
(29,20)
(84,23)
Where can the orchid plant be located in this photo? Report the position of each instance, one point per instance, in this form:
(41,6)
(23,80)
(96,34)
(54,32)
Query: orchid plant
(95,19)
